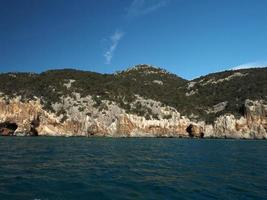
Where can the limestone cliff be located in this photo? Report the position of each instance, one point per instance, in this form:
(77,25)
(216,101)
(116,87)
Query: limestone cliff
(30,118)
(142,101)
(252,125)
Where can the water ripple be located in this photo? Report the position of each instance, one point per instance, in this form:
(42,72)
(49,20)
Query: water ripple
(106,168)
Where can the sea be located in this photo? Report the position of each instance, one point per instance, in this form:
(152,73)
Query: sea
(48,168)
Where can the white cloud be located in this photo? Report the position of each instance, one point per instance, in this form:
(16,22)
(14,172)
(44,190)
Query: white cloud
(250,65)
(114,41)
(136,8)
(143,7)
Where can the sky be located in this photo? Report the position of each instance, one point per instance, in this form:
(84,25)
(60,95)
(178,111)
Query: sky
(187,37)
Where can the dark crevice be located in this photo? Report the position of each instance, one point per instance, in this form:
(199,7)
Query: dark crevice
(35,124)
(189,130)
(7,128)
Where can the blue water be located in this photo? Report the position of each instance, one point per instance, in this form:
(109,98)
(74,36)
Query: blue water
(49,168)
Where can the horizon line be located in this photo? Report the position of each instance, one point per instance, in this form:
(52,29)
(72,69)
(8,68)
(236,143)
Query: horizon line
(130,68)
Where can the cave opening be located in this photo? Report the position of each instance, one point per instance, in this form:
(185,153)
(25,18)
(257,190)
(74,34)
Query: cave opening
(8,128)
(194,133)
(189,130)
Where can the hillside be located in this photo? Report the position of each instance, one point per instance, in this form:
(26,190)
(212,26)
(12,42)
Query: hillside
(142,90)
(225,92)
(196,98)
(122,87)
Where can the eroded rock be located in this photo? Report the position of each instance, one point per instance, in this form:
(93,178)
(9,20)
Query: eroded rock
(29,118)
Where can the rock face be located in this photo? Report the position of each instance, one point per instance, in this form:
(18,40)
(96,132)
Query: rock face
(252,125)
(18,118)
(30,118)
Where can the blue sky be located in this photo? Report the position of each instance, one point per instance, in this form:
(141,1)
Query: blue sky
(187,37)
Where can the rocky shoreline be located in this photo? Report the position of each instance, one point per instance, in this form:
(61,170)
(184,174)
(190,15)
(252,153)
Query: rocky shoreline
(142,101)
(29,118)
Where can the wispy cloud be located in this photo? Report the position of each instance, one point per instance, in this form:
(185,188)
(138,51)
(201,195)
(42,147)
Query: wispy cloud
(251,65)
(114,41)
(143,7)
(136,8)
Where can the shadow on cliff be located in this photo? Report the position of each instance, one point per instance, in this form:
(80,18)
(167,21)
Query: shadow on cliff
(7,128)
(194,131)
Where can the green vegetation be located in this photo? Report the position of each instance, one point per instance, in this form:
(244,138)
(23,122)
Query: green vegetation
(145,81)
(252,85)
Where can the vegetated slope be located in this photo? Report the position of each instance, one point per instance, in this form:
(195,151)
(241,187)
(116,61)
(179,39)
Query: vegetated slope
(203,98)
(122,87)
(225,92)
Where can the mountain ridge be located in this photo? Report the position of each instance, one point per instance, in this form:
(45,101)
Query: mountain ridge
(134,67)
